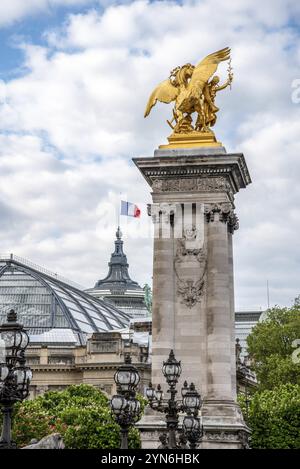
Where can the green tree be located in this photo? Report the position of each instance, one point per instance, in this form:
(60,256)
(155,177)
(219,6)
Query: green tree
(271,346)
(273,412)
(274,417)
(80,413)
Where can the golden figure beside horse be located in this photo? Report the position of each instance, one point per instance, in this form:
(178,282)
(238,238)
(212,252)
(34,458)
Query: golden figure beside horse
(194,89)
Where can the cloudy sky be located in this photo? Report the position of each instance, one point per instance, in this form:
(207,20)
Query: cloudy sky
(74,79)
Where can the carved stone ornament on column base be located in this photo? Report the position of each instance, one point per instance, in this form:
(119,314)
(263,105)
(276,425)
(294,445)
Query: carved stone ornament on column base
(217,435)
(151,426)
(224,425)
(226,438)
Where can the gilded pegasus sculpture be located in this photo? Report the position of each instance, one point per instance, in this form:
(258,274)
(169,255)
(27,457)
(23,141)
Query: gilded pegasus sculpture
(194,89)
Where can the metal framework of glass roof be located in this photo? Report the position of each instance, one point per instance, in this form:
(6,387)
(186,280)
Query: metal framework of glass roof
(43,302)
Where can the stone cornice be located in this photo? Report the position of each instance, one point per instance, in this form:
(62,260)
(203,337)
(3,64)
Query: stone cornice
(84,366)
(53,368)
(230,166)
(110,366)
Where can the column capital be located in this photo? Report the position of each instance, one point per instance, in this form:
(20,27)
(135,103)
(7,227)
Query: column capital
(225,214)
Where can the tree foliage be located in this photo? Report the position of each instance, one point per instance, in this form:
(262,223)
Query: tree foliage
(271,346)
(273,413)
(274,417)
(80,413)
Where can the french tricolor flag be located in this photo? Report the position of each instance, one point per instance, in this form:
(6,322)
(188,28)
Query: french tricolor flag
(129,209)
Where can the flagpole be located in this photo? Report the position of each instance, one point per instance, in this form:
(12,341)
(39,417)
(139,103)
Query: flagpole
(119,209)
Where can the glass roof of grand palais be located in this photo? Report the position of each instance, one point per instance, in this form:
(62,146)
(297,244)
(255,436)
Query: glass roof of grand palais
(50,307)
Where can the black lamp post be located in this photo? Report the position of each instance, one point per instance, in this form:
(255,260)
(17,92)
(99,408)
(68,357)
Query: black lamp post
(191,425)
(190,402)
(192,429)
(244,369)
(124,405)
(15,376)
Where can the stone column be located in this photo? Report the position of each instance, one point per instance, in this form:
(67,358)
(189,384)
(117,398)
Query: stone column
(234,226)
(218,304)
(193,295)
(163,318)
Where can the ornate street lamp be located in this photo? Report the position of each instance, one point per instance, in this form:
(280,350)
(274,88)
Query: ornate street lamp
(15,338)
(192,429)
(190,403)
(125,407)
(15,376)
(192,400)
(127,376)
(22,376)
(171,370)
(150,393)
(184,389)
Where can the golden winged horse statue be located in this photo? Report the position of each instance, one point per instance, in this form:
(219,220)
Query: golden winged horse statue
(193,88)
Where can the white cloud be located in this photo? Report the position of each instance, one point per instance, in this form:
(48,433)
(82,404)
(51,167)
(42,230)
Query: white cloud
(53,211)
(14,10)
(74,118)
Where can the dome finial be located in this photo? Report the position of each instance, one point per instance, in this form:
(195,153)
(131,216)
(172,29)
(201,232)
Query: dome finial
(119,233)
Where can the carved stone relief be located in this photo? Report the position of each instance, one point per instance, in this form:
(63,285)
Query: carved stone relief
(240,437)
(190,253)
(207,184)
(190,291)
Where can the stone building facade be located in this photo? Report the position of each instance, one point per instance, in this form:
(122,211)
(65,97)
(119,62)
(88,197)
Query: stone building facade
(56,366)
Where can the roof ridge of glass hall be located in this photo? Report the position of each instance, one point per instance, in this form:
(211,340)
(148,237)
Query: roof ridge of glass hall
(43,270)
(44,302)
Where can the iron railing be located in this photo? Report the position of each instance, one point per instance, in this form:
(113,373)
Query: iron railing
(12,257)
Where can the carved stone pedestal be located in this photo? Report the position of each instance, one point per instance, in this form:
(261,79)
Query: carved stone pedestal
(151,426)
(193,299)
(224,426)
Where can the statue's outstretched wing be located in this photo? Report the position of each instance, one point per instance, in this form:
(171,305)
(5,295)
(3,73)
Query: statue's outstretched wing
(207,67)
(164,92)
